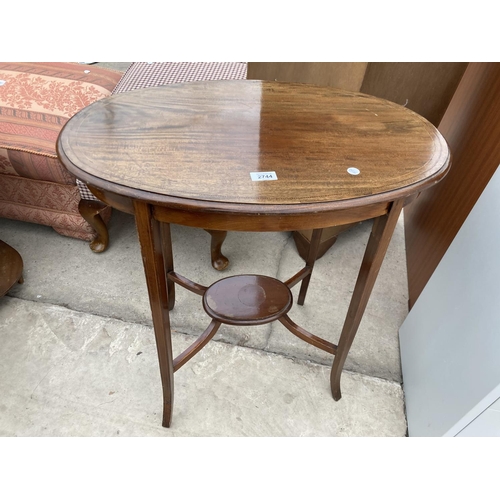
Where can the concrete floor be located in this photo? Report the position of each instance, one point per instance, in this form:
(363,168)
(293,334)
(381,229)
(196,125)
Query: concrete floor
(79,357)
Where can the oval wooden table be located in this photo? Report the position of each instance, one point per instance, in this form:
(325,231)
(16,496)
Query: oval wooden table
(252,156)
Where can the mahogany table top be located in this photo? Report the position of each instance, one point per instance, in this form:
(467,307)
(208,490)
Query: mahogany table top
(204,141)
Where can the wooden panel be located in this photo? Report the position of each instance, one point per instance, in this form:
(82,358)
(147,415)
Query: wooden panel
(425,88)
(345,75)
(471,126)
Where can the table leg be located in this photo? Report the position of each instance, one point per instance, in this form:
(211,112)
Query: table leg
(168,259)
(150,238)
(90,211)
(219,261)
(311,259)
(379,240)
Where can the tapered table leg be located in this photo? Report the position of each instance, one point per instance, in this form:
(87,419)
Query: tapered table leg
(150,238)
(168,259)
(379,240)
(312,254)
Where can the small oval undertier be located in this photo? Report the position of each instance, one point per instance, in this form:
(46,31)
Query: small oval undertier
(247,300)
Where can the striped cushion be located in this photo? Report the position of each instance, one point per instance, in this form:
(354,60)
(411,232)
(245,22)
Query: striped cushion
(36,100)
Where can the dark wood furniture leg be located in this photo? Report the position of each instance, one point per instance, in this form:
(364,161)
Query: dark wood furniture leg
(168,259)
(219,261)
(312,255)
(153,249)
(90,211)
(303,239)
(11,268)
(379,240)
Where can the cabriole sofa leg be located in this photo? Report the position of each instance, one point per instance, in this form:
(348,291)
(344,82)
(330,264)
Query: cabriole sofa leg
(90,211)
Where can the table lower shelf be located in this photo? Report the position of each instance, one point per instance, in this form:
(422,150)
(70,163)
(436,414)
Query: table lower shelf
(244,300)
(247,299)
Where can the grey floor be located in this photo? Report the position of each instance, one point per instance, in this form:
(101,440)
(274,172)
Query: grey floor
(78,352)
(79,359)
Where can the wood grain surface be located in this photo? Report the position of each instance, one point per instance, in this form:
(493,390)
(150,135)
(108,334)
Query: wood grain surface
(200,141)
(247,300)
(11,268)
(471,125)
(184,154)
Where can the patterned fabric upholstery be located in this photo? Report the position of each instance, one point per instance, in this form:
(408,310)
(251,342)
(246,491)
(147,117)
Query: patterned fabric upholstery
(36,100)
(45,203)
